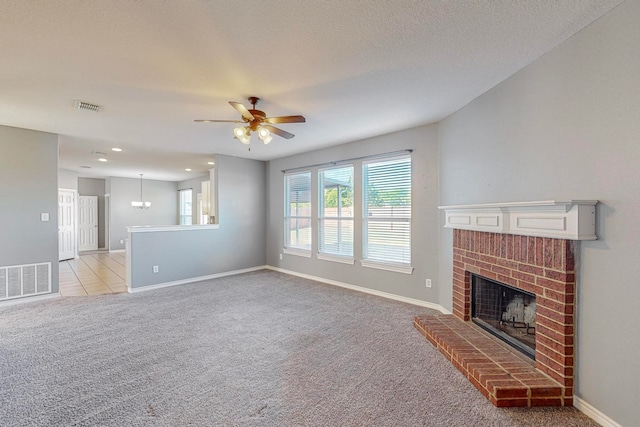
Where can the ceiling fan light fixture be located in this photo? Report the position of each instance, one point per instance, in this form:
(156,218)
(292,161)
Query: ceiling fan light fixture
(245,139)
(263,132)
(241,131)
(264,135)
(253,121)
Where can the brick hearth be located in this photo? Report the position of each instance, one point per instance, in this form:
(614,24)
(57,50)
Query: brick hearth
(504,377)
(542,266)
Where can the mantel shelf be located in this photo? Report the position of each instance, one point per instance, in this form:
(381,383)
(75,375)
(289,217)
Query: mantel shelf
(571,220)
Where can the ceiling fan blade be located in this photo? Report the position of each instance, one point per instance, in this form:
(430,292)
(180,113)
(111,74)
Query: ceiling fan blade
(285,119)
(219,121)
(279,132)
(242,110)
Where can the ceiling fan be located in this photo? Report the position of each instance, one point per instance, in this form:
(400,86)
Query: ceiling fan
(257,121)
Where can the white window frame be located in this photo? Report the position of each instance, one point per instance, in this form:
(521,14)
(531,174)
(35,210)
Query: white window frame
(182,216)
(379,262)
(324,254)
(289,247)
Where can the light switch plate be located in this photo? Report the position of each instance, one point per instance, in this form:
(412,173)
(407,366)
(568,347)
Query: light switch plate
(44,216)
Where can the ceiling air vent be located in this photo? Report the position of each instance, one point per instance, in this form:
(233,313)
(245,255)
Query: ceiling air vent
(81,105)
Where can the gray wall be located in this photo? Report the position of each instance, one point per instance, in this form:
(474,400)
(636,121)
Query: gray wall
(239,243)
(95,187)
(424,226)
(163,196)
(568,127)
(67,179)
(29,187)
(196,186)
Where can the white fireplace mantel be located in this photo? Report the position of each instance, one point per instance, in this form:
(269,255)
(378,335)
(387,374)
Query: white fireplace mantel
(571,220)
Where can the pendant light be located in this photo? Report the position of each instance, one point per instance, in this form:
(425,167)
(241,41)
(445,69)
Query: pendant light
(140,204)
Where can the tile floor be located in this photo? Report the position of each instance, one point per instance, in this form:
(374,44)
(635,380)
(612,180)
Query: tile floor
(93,274)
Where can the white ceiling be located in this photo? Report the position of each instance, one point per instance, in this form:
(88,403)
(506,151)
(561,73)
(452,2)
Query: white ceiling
(353,68)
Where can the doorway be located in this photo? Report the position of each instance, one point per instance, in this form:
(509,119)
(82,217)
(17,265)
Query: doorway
(66,224)
(87,223)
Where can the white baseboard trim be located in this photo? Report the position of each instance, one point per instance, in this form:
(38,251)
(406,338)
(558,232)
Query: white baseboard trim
(28,299)
(578,403)
(387,295)
(593,413)
(115,251)
(193,279)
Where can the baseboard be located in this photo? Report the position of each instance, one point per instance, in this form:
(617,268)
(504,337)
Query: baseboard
(387,295)
(593,413)
(115,251)
(578,403)
(27,299)
(194,279)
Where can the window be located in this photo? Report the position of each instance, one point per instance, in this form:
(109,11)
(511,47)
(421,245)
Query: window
(335,216)
(387,212)
(297,211)
(185,206)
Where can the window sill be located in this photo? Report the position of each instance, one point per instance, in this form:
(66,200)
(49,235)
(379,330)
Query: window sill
(336,258)
(404,269)
(297,252)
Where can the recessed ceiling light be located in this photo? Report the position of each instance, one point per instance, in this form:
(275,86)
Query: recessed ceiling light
(102,159)
(188,170)
(211,163)
(116,149)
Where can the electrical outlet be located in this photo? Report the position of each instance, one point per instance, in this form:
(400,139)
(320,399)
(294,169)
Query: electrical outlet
(428,283)
(280,256)
(155,269)
(121,242)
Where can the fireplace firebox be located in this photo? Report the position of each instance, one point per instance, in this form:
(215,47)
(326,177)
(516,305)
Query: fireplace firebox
(506,312)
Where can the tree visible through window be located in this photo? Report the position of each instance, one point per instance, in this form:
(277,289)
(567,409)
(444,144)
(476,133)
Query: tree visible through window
(335,216)
(387,210)
(297,216)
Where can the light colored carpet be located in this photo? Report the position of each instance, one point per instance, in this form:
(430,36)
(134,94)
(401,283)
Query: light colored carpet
(258,349)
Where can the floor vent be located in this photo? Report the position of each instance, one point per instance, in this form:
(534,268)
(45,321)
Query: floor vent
(18,281)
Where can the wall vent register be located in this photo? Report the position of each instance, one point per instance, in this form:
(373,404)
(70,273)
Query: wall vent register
(24,280)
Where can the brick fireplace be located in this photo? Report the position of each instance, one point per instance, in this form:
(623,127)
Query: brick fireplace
(542,266)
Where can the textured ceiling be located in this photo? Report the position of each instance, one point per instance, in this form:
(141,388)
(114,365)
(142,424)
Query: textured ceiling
(353,68)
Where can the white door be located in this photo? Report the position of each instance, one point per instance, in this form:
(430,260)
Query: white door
(87,223)
(66,224)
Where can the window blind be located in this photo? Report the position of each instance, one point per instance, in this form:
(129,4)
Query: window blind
(387,210)
(335,216)
(297,220)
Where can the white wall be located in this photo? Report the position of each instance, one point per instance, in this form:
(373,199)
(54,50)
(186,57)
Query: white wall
(424,226)
(29,187)
(67,179)
(568,127)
